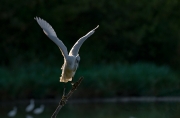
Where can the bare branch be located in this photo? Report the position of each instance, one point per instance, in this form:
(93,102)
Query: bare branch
(66,97)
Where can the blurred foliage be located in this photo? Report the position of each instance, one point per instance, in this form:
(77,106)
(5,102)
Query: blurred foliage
(42,81)
(140,79)
(130,31)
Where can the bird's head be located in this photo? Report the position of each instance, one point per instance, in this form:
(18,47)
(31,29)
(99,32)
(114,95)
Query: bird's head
(77,59)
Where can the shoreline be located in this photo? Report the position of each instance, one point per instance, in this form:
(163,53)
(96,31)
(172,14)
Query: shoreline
(98,100)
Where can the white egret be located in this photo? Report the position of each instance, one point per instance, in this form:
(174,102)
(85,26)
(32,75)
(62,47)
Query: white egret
(30,107)
(29,116)
(39,110)
(13,112)
(71,60)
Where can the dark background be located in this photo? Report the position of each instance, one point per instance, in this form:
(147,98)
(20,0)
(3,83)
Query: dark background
(130,32)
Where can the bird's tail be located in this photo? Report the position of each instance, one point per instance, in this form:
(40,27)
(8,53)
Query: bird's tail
(62,79)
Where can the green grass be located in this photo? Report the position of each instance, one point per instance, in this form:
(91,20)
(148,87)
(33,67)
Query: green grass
(42,81)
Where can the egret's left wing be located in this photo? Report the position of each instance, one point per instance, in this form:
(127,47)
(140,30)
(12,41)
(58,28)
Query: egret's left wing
(49,31)
(75,49)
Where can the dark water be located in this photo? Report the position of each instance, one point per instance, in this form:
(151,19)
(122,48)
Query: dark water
(102,110)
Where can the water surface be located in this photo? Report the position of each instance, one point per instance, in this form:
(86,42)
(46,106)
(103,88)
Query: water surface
(101,110)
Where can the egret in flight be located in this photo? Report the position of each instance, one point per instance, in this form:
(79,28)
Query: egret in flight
(71,60)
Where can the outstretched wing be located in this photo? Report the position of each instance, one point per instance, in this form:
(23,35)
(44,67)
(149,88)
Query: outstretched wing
(49,31)
(75,49)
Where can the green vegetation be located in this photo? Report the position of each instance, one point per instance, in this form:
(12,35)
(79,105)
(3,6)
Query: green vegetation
(41,81)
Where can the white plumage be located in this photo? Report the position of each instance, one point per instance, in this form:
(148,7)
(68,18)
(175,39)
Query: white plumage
(13,112)
(71,60)
(30,107)
(39,110)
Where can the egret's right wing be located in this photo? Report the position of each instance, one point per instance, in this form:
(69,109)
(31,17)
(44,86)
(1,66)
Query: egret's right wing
(49,31)
(75,49)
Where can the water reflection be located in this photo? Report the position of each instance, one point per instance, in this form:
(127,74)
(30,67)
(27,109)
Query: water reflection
(101,110)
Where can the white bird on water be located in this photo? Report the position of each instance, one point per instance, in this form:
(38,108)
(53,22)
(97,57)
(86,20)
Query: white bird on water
(30,107)
(13,112)
(29,116)
(39,110)
(71,60)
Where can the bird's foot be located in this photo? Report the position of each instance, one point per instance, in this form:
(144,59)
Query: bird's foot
(63,100)
(74,85)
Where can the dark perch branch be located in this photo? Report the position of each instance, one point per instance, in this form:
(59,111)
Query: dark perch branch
(66,97)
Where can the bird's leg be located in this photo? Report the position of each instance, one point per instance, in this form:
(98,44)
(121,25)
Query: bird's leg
(64,98)
(72,83)
(64,91)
